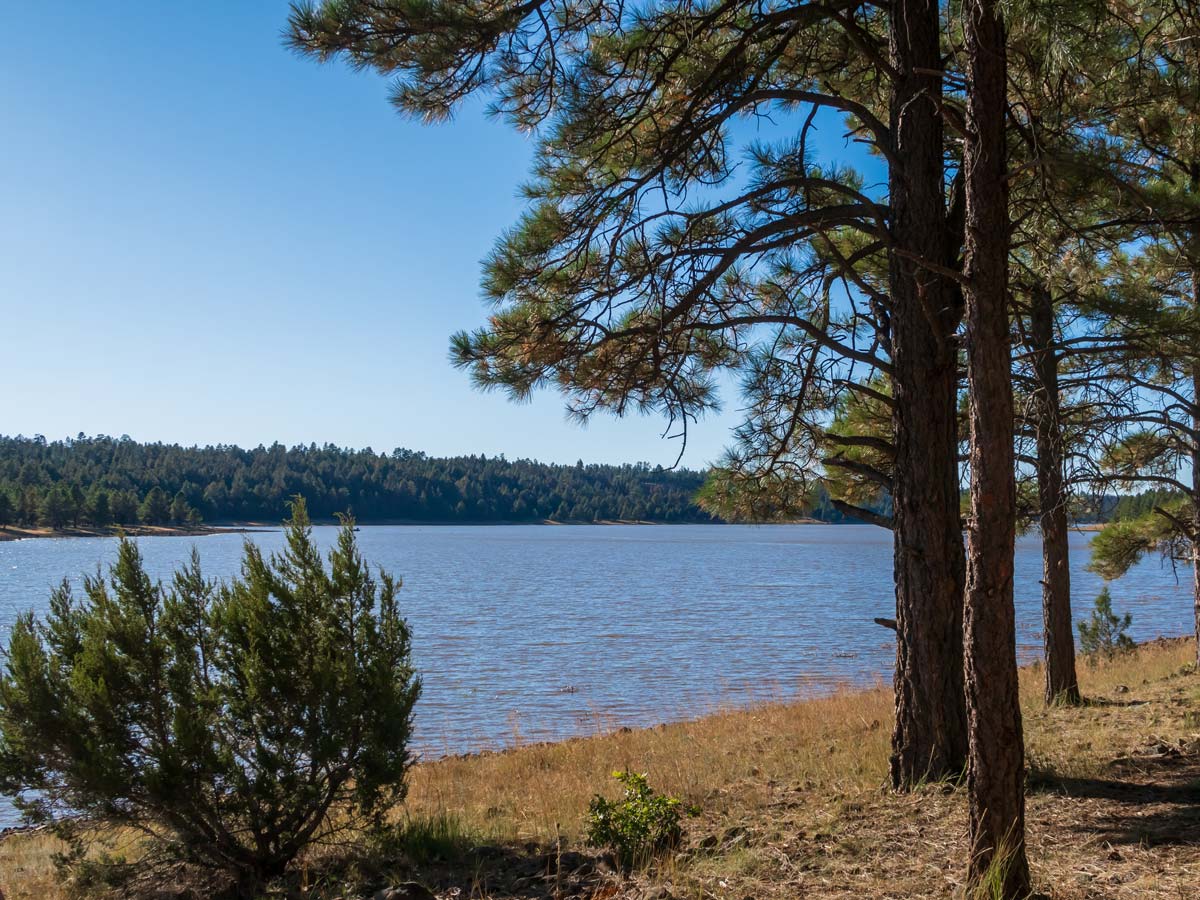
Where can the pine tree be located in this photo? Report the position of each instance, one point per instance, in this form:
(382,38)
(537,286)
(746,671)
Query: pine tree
(156,508)
(141,705)
(57,508)
(996,767)
(180,510)
(78,503)
(1062,205)
(124,505)
(1103,635)
(8,510)
(627,287)
(99,512)
(1062,684)
(29,506)
(1154,306)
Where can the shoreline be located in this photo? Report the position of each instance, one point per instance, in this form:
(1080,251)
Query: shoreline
(1030,668)
(19,533)
(789,802)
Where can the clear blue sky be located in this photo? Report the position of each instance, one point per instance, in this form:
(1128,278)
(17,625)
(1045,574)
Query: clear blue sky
(205,239)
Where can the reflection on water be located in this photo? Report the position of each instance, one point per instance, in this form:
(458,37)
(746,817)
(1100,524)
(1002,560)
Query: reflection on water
(531,633)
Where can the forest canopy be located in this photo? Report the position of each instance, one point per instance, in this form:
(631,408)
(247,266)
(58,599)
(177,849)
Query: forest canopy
(228,483)
(118,481)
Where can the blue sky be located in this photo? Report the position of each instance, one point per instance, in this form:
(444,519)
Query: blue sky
(205,239)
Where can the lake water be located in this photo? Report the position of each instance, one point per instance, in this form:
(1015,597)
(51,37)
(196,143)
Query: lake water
(538,632)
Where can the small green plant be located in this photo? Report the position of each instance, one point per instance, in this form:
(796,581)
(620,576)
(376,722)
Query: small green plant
(639,825)
(994,882)
(425,840)
(1104,636)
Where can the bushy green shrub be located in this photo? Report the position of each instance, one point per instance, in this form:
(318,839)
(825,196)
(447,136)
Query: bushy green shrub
(637,826)
(1104,634)
(233,723)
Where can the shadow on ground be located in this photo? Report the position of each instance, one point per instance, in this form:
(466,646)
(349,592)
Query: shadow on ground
(524,872)
(1151,797)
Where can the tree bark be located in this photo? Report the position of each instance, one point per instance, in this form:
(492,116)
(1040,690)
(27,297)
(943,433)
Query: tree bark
(996,771)
(1195,535)
(929,734)
(1062,684)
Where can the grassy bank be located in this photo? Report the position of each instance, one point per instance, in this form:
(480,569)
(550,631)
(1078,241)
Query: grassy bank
(793,805)
(20,533)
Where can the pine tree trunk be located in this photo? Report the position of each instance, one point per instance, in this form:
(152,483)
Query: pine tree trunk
(1062,685)
(1195,441)
(996,770)
(929,735)
(1196,563)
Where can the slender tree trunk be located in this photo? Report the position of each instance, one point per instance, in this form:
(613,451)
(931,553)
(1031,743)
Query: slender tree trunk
(1196,531)
(996,770)
(1062,685)
(1195,441)
(929,735)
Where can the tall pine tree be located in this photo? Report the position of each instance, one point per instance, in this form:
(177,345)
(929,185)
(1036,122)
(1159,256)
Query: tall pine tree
(646,262)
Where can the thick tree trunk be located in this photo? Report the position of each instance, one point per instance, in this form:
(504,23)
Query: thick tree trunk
(1062,685)
(996,770)
(929,735)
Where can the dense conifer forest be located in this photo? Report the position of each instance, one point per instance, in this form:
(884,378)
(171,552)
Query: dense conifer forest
(103,480)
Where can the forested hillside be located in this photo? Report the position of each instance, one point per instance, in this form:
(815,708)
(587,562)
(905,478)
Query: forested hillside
(103,480)
(1133,506)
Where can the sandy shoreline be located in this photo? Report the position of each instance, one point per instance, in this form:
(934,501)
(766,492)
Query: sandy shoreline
(16,533)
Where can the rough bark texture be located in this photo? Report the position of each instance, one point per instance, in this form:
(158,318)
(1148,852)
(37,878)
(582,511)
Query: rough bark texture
(996,773)
(1196,529)
(1195,440)
(1062,685)
(929,735)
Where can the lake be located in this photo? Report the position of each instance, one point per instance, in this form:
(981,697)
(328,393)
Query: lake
(529,632)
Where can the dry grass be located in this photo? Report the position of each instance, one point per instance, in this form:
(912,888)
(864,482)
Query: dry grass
(839,743)
(793,803)
(26,869)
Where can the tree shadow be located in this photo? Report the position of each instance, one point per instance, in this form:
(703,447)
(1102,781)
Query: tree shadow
(1108,702)
(513,872)
(1147,800)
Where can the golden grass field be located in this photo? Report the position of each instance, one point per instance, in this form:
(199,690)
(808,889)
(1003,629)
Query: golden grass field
(793,805)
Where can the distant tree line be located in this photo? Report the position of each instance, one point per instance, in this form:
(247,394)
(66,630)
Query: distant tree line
(118,481)
(1135,506)
(60,505)
(103,481)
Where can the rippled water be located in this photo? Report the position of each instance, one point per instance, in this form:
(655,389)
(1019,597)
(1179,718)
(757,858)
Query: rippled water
(536,632)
